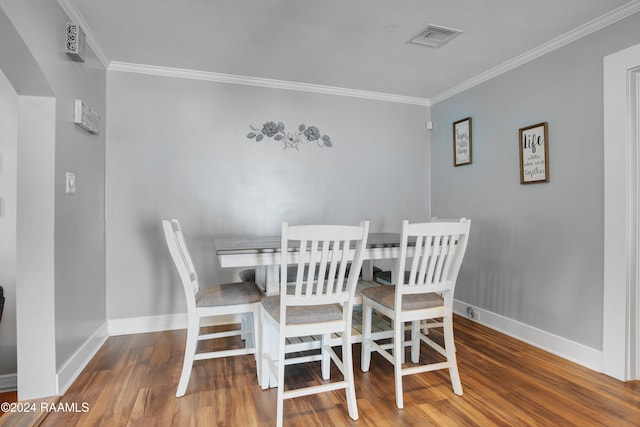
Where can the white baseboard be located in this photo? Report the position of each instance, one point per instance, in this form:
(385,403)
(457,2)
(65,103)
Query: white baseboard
(8,382)
(559,346)
(567,349)
(169,322)
(79,360)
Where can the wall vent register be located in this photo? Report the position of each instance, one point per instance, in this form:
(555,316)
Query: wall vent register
(74,42)
(435,35)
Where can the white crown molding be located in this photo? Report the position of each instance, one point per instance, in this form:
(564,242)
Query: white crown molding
(69,6)
(262,82)
(615,15)
(577,33)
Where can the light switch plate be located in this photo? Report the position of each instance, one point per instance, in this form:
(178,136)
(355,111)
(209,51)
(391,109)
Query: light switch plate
(71,183)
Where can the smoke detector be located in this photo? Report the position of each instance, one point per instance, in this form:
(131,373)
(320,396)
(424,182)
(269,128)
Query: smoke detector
(435,36)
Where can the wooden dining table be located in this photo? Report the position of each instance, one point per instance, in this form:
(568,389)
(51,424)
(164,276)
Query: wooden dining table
(263,253)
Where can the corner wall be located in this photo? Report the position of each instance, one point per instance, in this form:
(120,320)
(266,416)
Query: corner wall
(60,286)
(535,256)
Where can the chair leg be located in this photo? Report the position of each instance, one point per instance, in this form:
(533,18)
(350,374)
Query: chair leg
(247,324)
(189,352)
(415,341)
(266,350)
(347,361)
(281,360)
(326,357)
(365,359)
(257,341)
(451,354)
(393,326)
(398,352)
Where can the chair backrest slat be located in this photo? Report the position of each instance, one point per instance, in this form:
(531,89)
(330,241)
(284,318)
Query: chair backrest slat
(435,250)
(181,258)
(325,252)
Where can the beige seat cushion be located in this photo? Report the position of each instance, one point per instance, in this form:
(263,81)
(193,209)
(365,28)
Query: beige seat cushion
(228,294)
(297,315)
(385,295)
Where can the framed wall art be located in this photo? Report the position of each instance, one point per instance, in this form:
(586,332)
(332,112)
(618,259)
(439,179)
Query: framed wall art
(534,154)
(462,142)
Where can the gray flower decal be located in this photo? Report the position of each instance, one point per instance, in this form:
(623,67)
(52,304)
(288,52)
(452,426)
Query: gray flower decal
(312,133)
(270,129)
(293,139)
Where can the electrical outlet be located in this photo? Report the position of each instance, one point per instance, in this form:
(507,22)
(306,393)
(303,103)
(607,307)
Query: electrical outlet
(472,313)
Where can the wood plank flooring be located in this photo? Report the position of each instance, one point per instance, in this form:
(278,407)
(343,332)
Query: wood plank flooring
(26,413)
(133,379)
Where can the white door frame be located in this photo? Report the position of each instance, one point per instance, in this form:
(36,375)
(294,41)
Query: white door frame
(620,342)
(35,208)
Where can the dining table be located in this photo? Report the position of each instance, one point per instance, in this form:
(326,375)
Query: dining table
(263,253)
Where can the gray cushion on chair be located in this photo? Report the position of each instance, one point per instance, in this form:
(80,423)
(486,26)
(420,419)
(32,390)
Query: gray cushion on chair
(297,315)
(228,294)
(385,295)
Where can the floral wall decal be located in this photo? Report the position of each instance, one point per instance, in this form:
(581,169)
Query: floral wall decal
(291,139)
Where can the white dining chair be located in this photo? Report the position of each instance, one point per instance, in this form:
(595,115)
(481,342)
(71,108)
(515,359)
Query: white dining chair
(433,253)
(320,307)
(219,300)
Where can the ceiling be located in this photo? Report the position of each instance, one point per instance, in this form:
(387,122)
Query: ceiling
(353,44)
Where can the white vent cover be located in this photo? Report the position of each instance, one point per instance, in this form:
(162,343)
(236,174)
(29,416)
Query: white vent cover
(74,42)
(85,117)
(435,35)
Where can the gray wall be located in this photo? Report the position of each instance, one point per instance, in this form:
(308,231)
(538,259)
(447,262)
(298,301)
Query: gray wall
(536,251)
(78,220)
(177,148)
(8,200)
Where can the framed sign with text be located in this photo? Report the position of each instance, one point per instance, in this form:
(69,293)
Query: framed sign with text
(534,154)
(462,142)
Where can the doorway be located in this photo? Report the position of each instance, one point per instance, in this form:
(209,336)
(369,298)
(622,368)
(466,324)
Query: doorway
(34,229)
(621,314)
(8,203)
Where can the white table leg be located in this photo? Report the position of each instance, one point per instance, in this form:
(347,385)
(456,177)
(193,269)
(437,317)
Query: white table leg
(367,269)
(261,277)
(268,278)
(272,280)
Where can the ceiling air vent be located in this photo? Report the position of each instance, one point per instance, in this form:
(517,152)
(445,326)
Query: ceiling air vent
(435,36)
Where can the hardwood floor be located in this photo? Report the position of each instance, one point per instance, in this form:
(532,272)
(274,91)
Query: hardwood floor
(133,379)
(24,414)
